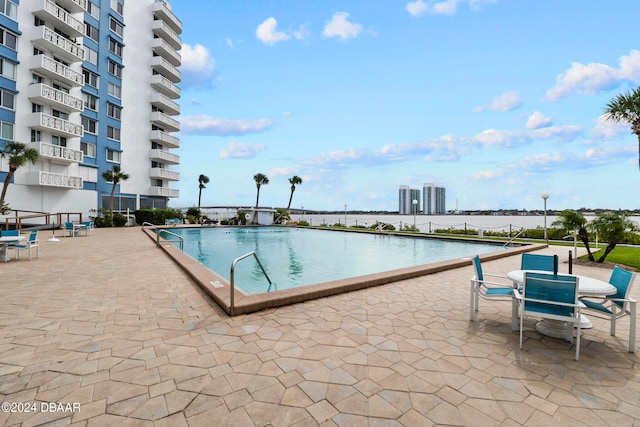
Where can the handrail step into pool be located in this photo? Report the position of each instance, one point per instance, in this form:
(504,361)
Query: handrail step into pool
(158,231)
(232,277)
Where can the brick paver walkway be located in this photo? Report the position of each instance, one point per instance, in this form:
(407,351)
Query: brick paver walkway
(109,324)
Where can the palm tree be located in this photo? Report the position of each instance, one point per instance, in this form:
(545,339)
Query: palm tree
(572,220)
(260,179)
(115,175)
(294,180)
(202,180)
(625,108)
(19,154)
(612,228)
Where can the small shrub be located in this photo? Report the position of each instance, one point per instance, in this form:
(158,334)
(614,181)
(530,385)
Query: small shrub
(119,220)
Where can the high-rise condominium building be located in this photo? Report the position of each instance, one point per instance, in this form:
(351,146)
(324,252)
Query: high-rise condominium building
(405,200)
(90,84)
(434,199)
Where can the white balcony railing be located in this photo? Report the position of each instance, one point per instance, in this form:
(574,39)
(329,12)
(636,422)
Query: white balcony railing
(75,6)
(161,29)
(164,121)
(56,70)
(165,104)
(164,49)
(64,154)
(164,85)
(165,139)
(50,179)
(162,173)
(163,12)
(165,68)
(164,156)
(63,101)
(62,45)
(163,192)
(63,20)
(56,125)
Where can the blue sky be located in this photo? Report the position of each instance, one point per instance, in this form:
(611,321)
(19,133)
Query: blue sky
(497,101)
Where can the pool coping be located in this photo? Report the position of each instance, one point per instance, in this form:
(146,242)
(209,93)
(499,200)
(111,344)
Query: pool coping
(218,288)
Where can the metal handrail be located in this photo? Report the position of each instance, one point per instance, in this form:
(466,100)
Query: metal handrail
(232,277)
(162,230)
(522,230)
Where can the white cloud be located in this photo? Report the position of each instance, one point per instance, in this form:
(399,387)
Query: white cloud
(197,67)
(339,26)
(488,174)
(505,102)
(267,33)
(241,150)
(595,77)
(442,7)
(538,120)
(302,32)
(207,125)
(606,129)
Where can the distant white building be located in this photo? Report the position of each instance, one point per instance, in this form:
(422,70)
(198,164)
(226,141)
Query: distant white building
(434,199)
(405,200)
(90,84)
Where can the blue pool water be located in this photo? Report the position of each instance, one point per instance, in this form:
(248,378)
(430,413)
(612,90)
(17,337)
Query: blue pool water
(296,257)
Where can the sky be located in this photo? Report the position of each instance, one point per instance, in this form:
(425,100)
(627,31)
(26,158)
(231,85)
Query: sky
(498,101)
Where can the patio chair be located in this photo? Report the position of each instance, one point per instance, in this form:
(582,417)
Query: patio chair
(88,227)
(613,307)
(68,227)
(29,244)
(481,288)
(539,262)
(551,296)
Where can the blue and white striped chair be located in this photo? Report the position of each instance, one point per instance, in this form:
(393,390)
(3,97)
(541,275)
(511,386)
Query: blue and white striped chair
(551,296)
(613,307)
(539,262)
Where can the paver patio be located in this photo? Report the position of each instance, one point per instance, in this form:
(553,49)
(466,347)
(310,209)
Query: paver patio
(109,322)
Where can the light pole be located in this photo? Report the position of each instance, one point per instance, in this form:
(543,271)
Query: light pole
(545,196)
(345,214)
(414,202)
(302,209)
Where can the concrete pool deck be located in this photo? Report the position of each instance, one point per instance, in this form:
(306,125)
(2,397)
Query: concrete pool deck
(109,322)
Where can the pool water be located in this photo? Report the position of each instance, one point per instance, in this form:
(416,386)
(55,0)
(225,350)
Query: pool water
(295,257)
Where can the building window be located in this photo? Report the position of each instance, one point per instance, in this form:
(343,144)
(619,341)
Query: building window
(91,55)
(93,10)
(113,133)
(115,47)
(90,78)
(7,99)
(90,101)
(115,90)
(115,69)
(37,51)
(113,156)
(114,111)
(7,69)
(36,135)
(88,149)
(117,6)
(60,88)
(115,26)
(6,131)
(59,114)
(36,79)
(9,8)
(92,32)
(59,140)
(8,39)
(38,22)
(90,125)
(36,108)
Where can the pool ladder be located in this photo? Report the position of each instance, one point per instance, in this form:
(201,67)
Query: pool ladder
(231,275)
(176,238)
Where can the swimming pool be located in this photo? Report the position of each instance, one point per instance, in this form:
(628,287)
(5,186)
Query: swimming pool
(297,257)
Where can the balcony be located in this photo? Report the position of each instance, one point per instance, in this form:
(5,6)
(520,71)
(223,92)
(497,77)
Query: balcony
(161,173)
(48,11)
(49,179)
(165,104)
(165,68)
(164,31)
(163,192)
(165,139)
(44,94)
(164,156)
(165,122)
(164,49)
(74,6)
(58,154)
(60,46)
(164,85)
(55,70)
(162,12)
(55,125)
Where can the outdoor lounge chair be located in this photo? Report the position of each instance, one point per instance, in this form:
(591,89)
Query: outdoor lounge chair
(29,245)
(613,307)
(493,290)
(539,262)
(551,296)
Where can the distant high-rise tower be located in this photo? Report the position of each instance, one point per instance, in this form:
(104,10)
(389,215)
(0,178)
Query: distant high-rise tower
(405,200)
(434,199)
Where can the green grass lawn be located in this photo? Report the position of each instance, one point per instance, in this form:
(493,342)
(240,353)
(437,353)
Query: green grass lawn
(623,255)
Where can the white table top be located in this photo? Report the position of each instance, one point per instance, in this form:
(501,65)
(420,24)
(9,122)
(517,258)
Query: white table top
(587,286)
(11,238)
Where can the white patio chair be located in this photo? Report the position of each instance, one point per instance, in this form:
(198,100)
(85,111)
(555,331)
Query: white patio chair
(490,290)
